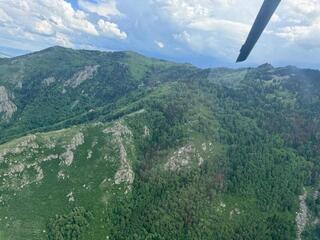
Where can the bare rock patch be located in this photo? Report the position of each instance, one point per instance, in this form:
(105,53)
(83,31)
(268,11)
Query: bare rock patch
(302,215)
(121,134)
(7,107)
(68,156)
(78,78)
(180,158)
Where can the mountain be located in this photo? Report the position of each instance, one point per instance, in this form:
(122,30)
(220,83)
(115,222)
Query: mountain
(11,52)
(115,145)
(3,55)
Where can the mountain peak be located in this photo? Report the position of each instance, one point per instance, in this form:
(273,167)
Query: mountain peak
(56,48)
(265,66)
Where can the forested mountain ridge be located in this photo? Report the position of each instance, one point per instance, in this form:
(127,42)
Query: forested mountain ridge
(114,145)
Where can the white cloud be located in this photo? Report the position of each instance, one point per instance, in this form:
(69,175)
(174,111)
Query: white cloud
(219,27)
(184,37)
(44,27)
(111,29)
(47,16)
(159,44)
(63,40)
(48,22)
(201,28)
(104,8)
(4,17)
(188,11)
(207,25)
(300,18)
(275,18)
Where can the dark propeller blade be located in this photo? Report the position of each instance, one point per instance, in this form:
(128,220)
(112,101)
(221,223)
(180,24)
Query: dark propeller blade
(267,10)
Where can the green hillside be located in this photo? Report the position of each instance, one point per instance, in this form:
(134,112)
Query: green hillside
(114,145)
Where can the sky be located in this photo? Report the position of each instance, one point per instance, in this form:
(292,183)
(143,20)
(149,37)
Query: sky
(206,33)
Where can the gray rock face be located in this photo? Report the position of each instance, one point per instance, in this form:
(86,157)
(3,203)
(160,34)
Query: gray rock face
(48,81)
(76,141)
(87,73)
(7,107)
(302,215)
(180,158)
(122,134)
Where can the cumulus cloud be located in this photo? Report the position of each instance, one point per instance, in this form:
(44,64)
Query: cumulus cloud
(48,22)
(201,29)
(306,29)
(43,27)
(183,36)
(111,29)
(220,27)
(159,44)
(206,25)
(4,17)
(63,40)
(45,21)
(104,8)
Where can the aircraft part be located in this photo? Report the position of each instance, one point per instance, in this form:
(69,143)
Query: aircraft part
(267,10)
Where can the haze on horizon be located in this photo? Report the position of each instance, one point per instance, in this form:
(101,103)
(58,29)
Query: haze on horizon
(206,33)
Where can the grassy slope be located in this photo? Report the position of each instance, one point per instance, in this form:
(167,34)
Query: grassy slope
(28,210)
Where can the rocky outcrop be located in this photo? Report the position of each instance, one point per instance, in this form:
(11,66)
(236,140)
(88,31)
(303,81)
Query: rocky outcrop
(70,197)
(78,78)
(122,135)
(26,143)
(89,155)
(302,215)
(7,107)
(146,132)
(16,173)
(48,81)
(180,158)
(22,162)
(68,156)
(188,156)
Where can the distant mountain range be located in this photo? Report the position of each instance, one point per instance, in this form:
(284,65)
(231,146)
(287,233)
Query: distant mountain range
(2,55)
(115,145)
(11,52)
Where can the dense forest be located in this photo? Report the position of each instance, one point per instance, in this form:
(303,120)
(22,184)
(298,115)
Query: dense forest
(119,146)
